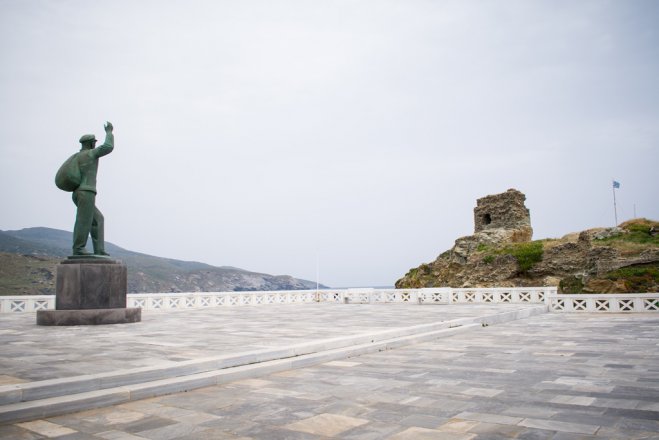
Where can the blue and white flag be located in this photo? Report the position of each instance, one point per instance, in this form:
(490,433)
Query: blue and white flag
(616,184)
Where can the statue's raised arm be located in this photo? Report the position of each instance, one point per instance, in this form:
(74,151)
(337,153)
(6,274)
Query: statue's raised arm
(108,145)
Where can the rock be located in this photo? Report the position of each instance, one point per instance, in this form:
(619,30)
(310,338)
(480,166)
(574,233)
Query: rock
(500,254)
(607,232)
(551,281)
(605,286)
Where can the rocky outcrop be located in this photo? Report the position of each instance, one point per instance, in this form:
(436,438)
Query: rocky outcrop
(500,253)
(498,218)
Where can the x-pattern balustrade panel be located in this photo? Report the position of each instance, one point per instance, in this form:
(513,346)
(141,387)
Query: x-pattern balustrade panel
(606,303)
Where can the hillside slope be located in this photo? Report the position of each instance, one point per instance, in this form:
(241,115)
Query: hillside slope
(28,258)
(501,253)
(601,260)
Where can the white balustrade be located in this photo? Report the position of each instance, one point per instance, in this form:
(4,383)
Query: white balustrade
(609,303)
(26,303)
(154,301)
(447,295)
(499,295)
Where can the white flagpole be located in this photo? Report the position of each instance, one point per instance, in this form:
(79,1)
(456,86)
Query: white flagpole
(615,209)
(317,271)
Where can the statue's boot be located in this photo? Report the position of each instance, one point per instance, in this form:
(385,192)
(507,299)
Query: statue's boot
(98,248)
(82,251)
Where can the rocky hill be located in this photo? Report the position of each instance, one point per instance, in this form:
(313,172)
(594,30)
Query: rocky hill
(28,260)
(501,253)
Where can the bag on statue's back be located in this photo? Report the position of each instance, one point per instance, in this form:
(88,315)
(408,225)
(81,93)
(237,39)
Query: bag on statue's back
(68,176)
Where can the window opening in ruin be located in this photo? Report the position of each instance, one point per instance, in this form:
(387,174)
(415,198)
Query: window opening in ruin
(487,219)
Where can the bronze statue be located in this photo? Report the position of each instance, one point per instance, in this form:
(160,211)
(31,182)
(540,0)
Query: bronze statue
(78,175)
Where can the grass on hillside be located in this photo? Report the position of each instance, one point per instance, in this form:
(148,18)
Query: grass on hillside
(527,254)
(27,275)
(637,279)
(638,235)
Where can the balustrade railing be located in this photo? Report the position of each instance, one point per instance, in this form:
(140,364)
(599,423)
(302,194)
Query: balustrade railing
(611,303)
(447,295)
(26,303)
(152,301)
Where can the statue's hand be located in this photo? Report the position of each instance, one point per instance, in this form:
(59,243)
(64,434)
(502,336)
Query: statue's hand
(108,127)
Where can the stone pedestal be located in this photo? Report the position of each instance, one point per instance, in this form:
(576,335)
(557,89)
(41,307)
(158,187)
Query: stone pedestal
(90,291)
(91,283)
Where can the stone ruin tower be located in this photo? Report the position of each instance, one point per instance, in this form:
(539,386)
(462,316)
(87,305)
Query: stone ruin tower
(504,215)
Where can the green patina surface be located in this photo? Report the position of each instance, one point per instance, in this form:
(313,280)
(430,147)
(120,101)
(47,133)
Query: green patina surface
(78,175)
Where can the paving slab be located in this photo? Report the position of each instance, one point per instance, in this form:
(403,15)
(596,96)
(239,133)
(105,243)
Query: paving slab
(416,391)
(51,397)
(169,337)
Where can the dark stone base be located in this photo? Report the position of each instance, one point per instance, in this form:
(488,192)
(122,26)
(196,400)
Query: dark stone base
(89,316)
(90,290)
(90,283)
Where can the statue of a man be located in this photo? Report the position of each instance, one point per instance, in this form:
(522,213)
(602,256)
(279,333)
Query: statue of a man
(83,166)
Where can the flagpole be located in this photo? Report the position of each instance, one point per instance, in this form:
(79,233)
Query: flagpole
(615,209)
(317,273)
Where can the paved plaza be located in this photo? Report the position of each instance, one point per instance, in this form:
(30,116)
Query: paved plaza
(33,352)
(549,376)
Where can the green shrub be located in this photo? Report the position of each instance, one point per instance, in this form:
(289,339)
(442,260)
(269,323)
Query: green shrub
(527,254)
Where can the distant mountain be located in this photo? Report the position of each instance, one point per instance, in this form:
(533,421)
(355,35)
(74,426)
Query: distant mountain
(28,259)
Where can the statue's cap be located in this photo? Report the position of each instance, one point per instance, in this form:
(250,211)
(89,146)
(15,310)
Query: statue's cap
(87,138)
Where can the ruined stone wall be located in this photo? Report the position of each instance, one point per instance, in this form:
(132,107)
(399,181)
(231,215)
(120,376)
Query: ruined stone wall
(503,211)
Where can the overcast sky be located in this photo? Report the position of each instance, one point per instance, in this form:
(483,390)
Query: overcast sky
(270,135)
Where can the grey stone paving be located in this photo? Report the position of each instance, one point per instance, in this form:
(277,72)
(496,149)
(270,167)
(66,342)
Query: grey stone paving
(31,352)
(551,376)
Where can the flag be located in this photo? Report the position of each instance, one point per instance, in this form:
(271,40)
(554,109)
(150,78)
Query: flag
(616,184)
